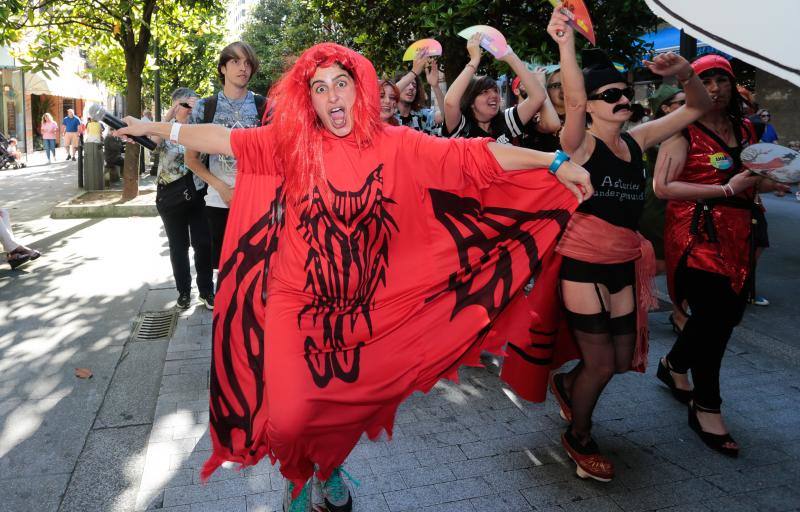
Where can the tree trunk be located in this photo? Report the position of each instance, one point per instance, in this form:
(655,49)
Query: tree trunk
(134,64)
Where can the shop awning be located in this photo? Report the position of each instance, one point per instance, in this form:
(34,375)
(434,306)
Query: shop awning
(65,85)
(737,27)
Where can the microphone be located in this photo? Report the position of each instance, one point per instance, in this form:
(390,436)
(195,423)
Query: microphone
(98,113)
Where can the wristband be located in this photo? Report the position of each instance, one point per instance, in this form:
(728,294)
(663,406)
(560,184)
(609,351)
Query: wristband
(560,158)
(471,65)
(174,131)
(414,73)
(728,189)
(724,190)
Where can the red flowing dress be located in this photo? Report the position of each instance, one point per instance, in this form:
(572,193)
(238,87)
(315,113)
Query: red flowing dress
(332,311)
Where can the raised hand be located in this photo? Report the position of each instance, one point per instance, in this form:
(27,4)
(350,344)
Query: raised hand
(420,61)
(670,64)
(559,27)
(474,46)
(432,72)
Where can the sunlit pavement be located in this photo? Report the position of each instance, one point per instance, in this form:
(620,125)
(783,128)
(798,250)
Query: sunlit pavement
(134,436)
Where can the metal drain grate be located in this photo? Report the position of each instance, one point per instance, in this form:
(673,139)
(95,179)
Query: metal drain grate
(155,325)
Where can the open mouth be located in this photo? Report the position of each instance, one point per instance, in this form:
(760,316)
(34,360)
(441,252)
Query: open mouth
(493,104)
(338,117)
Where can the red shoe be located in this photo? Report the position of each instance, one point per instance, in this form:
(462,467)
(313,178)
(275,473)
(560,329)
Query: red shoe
(560,394)
(590,464)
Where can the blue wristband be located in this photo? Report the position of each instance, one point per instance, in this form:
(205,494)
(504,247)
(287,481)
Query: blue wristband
(560,158)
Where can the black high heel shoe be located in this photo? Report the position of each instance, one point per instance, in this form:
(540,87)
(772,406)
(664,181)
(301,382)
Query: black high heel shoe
(716,442)
(664,375)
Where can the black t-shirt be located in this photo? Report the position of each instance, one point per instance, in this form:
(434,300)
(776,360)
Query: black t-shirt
(618,185)
(505,128)
(533,139)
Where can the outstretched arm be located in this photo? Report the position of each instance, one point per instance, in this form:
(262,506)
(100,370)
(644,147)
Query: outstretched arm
(697,101)
(452,100)
(212,139)
(572,176)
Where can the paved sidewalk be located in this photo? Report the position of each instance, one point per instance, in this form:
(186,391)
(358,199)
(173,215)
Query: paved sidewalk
(476,447)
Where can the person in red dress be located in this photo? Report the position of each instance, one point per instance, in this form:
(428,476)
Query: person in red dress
(709,246)
(362,262)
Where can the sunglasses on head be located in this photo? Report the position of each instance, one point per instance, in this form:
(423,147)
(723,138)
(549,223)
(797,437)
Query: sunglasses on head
(613,95)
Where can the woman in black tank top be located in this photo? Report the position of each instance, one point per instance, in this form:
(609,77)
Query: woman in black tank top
(599,298)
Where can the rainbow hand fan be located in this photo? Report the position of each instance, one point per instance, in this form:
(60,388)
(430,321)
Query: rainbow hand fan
(430,47)
(492,41)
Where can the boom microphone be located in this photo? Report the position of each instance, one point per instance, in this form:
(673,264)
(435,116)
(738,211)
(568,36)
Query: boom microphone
(98,113)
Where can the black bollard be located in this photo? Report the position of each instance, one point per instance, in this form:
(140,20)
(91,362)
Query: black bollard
(80,162)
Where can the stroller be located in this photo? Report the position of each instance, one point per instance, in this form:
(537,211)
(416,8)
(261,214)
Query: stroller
(6,158)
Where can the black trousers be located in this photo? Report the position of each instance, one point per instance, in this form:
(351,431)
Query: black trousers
(188,226)
(716,310)
(217,219)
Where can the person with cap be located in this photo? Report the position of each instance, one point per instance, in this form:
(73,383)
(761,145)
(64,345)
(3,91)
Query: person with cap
(472,104)
(542,133)
(607,266)
(708,230)
(328,314)
(666,99)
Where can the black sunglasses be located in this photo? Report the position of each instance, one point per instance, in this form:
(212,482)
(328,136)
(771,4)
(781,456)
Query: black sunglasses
(613,95)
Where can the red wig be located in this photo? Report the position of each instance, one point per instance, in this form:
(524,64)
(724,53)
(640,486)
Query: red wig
(297,129)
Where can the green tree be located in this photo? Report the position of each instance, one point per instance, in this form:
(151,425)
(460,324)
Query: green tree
(124,24)
(382,29)
(279,30)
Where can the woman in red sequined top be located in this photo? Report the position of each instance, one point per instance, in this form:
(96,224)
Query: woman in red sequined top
(708,246)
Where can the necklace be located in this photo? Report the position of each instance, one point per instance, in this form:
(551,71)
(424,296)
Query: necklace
(236,109)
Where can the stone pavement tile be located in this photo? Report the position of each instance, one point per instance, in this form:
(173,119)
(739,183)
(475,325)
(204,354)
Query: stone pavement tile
(188,354)
(600,504)
(265,502)
(686,507)
(19,494)
(397,463)
(687,492)
(503,502)
(776,499)
(646,476)
(440,456)
(182,508)
(509,481)
(552,473)
(419,477)
(383,482)
(166,478)
(455,506)
(486,465)
(462,489)
(739,482)
(559,493)
(238,504)
(371,503)
(644,499)
(188,494)
(735,503)
(410,499)
(241,486)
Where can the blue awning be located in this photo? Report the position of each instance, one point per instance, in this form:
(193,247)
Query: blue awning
(668,39)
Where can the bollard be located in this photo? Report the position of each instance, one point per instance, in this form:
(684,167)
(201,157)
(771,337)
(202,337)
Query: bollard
(93,167)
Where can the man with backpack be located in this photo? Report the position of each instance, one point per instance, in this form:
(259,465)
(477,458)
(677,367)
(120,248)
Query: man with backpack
(235,107)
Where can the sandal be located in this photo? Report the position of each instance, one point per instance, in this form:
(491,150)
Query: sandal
(589,463)
(560,394)
(716,442)
(664,374)
(17,260)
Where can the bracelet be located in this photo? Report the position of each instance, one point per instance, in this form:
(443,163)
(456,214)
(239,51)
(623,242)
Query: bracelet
(560,158)
(471,65)
(727,189)
(174,131)
(684,80)
(414,73)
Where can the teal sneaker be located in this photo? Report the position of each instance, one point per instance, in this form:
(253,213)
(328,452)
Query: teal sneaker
(337,493)
(300,504)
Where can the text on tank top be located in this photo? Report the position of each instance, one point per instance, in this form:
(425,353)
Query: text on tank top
(618,185)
